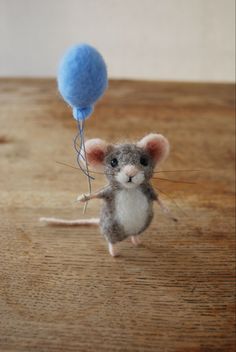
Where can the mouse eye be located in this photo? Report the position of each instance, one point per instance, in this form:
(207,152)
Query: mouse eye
(114,162)
(144,161)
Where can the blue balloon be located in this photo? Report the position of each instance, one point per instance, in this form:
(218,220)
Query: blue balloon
(82,79)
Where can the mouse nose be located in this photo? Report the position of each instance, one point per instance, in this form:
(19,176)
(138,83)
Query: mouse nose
(130,171)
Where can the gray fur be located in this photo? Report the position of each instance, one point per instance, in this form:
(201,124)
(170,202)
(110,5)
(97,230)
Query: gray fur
(126,154)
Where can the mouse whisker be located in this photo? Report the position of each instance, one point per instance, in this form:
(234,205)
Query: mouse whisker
(77,168)
(68,165)
(174,181)
(72,167)
(173,200)
(183,170)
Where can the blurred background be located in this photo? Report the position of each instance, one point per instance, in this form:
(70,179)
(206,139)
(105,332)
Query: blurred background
(183,40)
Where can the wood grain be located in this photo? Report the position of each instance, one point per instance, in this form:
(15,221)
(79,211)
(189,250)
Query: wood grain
(59,288)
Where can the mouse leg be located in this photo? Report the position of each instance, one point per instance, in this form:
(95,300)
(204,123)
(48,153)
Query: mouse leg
(113,250)
(136,240)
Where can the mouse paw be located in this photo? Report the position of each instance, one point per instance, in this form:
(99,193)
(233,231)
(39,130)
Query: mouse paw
(113,250)
(83,198)
(136,240)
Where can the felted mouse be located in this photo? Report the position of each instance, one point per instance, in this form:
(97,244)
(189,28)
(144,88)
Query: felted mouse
(128,198)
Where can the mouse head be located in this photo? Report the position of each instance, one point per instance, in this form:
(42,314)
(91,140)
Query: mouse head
(127,165)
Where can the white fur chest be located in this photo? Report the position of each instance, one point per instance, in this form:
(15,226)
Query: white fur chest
(132,210)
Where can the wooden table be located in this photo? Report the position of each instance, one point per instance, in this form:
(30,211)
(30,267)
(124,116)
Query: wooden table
(59,288)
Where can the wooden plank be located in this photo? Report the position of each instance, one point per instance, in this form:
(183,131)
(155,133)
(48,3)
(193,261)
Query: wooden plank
(59,288)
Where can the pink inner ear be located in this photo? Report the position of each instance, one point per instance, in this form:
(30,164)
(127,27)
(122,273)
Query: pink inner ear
(96,156)
(157,149)
(153,149)
(96,150)
(156,145)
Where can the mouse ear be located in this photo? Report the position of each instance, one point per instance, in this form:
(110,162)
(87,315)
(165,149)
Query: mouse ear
(156,145)
(96,150)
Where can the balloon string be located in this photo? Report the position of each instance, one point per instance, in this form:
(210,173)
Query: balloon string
(86,164)
(81,154)
(80,136)
(78,151)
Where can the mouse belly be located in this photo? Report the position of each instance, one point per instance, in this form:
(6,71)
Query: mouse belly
(133,211)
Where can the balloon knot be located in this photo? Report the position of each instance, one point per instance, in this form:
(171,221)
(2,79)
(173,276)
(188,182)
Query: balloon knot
(82,113)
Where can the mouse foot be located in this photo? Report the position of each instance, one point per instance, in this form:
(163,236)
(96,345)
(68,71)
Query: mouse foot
(136,240)
(113,250)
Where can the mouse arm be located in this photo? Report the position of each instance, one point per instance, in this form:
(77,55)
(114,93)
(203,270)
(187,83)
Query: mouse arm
(83,198)
(165,209)
(102,193)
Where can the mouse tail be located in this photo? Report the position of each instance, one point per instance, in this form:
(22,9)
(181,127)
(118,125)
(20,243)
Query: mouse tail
(79,222)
